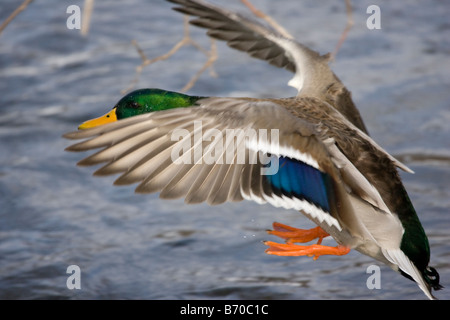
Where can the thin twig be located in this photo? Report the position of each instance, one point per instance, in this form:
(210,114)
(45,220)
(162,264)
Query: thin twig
(267,18)
(87,13)
(19,9)
(187,40)
(349,25)
(212,57)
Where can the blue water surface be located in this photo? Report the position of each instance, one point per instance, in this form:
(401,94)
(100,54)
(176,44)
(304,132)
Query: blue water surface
(54,214)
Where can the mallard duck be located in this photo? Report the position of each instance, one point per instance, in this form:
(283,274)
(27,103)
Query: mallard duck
(311,153)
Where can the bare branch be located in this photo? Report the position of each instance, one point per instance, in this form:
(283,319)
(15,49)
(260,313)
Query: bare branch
(87,13)
(267,18)
(19,9)
(187,40)
(212,57)
(346,30)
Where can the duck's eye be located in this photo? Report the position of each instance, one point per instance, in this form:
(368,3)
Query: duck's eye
(133,105)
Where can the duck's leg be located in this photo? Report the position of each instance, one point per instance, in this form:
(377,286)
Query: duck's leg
(291,234)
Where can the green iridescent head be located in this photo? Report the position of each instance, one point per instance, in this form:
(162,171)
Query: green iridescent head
(142,101)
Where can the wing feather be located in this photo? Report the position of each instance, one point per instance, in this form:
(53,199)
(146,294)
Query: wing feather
(262,42)
(240,32)
(147,157)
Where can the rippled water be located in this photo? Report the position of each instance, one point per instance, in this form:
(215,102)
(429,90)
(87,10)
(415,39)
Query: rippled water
(54,214)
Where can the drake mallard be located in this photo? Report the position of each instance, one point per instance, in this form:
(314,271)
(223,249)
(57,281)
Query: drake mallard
(326,165)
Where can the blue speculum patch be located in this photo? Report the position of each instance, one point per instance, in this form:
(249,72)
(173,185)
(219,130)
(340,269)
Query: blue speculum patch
(297,179)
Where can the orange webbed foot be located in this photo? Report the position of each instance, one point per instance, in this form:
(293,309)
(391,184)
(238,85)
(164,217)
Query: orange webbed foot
(314,250)
(291,234)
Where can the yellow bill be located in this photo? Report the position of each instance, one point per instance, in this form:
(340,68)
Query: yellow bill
(107,118)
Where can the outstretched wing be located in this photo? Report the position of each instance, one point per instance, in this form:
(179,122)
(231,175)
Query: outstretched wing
(261,42)
(238,31)
(227,150)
